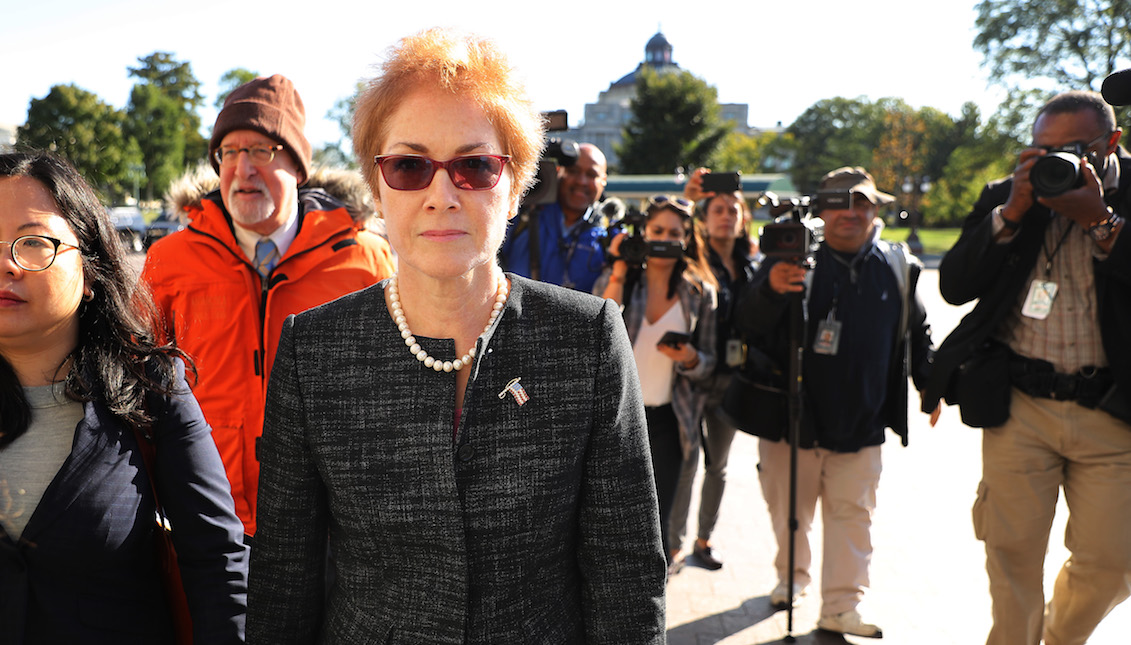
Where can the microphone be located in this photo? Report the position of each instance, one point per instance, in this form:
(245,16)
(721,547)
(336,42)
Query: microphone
(612,209)
(1116,88)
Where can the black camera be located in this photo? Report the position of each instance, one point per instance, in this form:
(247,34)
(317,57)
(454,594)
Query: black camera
(559,153)
(1056,173)
(795,236)
(634,248)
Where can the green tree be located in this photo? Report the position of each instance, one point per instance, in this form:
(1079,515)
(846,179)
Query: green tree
(232,79)
(1035,49)
(833,133)
(154,123)
(747,153)
(675,123)
(340,153)
(175,80)
(78,125)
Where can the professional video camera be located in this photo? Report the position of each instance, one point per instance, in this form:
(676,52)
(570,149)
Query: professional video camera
(634,248)
(1059,171)
(797,235)
(559,153)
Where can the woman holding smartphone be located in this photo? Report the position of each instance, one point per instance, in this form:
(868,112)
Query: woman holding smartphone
(663,284)
(733,257)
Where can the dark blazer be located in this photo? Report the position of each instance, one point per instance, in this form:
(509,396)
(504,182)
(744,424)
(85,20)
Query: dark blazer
(995,274)
(536,523)
(85,571)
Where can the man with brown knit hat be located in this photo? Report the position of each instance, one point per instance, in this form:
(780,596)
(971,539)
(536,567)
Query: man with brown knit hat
(255,251)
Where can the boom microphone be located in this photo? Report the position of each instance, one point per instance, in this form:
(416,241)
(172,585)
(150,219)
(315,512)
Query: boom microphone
(1117,88)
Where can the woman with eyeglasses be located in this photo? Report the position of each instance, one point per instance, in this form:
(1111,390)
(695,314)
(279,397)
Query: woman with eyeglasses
(471,443)
(82,385)
(668,295)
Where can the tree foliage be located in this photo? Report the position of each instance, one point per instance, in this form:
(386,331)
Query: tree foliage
(675,123)
(232,79)
(175,80)
(832,133)
(1073,44)
(1036,49)
(155,124)
(79,126)
(902,147)
(748,153)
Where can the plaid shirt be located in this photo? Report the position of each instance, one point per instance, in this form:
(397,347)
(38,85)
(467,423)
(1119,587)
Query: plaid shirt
(699,302)
(1069,337)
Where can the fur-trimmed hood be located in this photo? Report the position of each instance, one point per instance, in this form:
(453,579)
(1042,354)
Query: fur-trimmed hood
(347,186)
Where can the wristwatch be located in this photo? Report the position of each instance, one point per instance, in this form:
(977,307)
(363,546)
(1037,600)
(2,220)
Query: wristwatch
(1102,229)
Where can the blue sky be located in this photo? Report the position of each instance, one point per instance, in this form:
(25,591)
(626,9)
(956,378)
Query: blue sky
(778,57)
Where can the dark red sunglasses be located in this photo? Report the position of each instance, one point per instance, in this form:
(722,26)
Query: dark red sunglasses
(414,172)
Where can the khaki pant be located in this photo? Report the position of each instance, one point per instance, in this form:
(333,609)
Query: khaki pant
(846,485)
(1047,445)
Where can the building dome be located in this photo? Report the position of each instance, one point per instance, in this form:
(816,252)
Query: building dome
(657,55)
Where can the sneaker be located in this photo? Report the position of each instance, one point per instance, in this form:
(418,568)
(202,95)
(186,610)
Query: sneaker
(706,557)
(780,598)
(849,622)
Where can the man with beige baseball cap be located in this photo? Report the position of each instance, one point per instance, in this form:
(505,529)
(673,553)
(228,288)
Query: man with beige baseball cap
(867,330)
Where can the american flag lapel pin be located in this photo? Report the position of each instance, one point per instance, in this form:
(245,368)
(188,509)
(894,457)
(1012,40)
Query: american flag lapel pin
(515,389)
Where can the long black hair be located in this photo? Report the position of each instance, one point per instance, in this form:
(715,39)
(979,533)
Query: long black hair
(118,359)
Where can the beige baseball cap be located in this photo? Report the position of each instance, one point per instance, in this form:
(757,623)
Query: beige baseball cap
(854,180)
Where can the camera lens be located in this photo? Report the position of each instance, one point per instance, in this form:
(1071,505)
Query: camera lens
(1055,173)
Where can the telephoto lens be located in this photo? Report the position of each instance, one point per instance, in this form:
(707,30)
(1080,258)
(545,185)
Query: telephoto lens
(1055,173)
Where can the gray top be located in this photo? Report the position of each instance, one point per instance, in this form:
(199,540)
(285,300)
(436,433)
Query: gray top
(28,465)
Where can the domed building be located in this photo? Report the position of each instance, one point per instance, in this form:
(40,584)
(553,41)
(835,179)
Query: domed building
(605,120)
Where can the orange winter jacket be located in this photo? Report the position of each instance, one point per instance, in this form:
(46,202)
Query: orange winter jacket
(228,320)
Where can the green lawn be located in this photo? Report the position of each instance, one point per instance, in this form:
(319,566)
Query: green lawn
(936,241)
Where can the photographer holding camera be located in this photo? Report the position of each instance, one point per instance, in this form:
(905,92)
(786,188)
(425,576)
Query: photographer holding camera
(866,333)
(1042,365)
(668,297)
(562,242)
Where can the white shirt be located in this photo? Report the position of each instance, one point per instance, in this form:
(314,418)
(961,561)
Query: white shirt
(657,371)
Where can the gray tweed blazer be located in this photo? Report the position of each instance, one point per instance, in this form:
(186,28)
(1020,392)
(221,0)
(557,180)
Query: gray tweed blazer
(535,523)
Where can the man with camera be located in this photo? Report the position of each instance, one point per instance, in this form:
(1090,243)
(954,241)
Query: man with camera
(866,332)
(563,242)
(1042,364)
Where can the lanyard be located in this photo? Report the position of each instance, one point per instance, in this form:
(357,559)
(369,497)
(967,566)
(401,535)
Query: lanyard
(1049,256)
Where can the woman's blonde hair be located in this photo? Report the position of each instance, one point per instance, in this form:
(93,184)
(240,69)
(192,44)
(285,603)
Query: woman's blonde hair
(466,66)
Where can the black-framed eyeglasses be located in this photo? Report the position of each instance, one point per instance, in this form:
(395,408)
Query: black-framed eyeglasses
(35,252)
(678,203)
(1079,148)
(415,172)
(257,155)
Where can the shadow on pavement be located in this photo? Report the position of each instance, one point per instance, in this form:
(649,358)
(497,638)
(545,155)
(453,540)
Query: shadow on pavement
(751,612)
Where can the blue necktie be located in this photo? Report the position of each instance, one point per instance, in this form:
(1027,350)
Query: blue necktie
(266,256)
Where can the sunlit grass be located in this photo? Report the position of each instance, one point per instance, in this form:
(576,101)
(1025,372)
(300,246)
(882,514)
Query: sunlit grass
(935,241)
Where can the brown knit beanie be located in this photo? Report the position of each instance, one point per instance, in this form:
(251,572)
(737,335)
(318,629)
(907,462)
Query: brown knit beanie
(271,106)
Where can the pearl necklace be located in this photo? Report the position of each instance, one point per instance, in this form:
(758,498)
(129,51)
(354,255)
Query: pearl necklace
(414,347)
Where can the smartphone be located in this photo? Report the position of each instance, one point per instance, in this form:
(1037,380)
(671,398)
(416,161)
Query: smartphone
(722,182)
(674,338)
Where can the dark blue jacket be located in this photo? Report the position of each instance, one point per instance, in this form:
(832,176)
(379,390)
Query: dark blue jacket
(573,261)
(763,316)
(85,571)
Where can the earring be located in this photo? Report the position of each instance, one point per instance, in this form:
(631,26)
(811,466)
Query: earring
(88,295)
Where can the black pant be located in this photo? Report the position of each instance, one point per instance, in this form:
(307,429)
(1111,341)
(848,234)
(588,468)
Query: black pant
(667,458)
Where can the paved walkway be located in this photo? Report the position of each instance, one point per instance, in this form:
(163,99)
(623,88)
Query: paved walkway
(929,583)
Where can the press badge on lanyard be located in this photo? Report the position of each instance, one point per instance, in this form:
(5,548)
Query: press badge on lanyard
(1038,304)
(828,335)
(1042,293)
